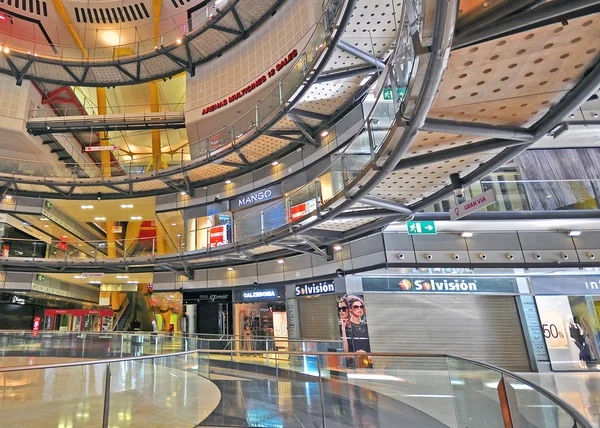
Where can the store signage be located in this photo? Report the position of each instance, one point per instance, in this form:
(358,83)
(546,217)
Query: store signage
(300,210)
(117,229)
(36,325)
(258,82)
(571,285)
(259,294)
(421,228)
(100,148)
(218,236)
(255,197)
(315,288)
(534,328)
(215,297)
(441,284)
(18,300)
(554,329)
(477,203)
(93,274)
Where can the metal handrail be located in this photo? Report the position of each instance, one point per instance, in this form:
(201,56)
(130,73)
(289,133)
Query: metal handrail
(570,410)
(574,413)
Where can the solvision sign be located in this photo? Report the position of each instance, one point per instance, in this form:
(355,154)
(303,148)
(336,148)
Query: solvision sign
(255,197)
(315,288)
(434,284)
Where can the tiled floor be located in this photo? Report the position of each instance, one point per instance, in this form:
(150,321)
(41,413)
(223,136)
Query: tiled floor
(143,394)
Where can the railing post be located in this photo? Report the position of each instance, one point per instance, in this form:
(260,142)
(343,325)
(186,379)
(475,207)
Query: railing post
(106,412)
(257,117)
(281,93)
(321,392)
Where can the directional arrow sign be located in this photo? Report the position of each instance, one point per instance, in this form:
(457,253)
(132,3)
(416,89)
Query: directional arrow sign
(472,205)
(421,228)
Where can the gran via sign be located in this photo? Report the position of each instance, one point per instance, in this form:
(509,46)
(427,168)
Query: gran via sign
(255,197)
(435,284)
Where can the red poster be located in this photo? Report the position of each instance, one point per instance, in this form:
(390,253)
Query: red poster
(217,236)
(36,325)
(298,211)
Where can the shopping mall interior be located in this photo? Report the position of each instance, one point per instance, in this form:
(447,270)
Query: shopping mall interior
(362,213)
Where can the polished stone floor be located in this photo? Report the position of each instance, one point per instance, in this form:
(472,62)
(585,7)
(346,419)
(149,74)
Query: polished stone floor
(142,394)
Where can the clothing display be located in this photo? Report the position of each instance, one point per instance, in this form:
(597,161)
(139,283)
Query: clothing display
(579,339)
(358,337)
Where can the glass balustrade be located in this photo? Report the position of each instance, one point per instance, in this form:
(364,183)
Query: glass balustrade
(310,387)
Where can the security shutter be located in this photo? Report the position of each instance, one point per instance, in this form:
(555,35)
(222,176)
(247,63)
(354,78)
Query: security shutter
(318,318)
(482,328)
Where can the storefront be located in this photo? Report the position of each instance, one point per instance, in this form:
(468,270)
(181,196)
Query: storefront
(470,316)
(208,312)
(569,310)
(17,312)
(167,308)
(78,319)
(260,313)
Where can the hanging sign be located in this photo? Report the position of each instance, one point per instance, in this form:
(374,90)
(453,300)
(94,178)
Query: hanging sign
(217,236)
(477,203)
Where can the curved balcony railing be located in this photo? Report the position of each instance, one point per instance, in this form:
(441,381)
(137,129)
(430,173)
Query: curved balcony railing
(269,110)
(327,389)
(119,52)
(300,207)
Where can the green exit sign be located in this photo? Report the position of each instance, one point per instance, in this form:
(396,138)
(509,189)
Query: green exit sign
(400,93)
(421,227)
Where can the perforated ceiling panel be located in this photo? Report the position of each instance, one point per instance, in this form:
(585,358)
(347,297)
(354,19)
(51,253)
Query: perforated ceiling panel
(429,142)
(209,171)
(343,225)
(262,147)
(327,97)
(409,186)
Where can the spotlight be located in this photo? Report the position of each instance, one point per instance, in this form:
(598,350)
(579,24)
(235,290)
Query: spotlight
(340,273)
(467,234)
(281,261)
(325,133)
(275,163)
(229,269)
(255,285)
(227,181)
(574,233)
(337,247)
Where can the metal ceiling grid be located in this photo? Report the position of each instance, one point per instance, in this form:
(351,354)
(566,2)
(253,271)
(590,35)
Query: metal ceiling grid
(343,225)
(410,185)
(428,142)
(263,146)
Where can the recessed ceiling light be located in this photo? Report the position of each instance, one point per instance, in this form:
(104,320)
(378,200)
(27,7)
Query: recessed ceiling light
(43,219)
(178,41)
(79,277)
(9,197)
(183,193)
(227,181)
(95,282)
(65,237)
(173,224)
(122,277)
(99,218)
(229,268)
(467,234)
(136,218)
(6,50)
(337,247)
(133,282)
(574,232)
(126,206)
(275,163)
(46,225)
(325,133)
(281,261)
(87,207)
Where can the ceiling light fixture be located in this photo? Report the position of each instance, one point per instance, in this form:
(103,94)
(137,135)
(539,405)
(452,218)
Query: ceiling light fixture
(111,38)
(574,233)
(178,41)
(229,269)
(87,207)
(133,282)
(6,50)
(99,218)
(183,193)
(275,163)
(122,277)
(281,261)
(127,206)
(227,181)
(325,133)
(467,234)
(79,277)
(136,218)
(173,224)
(95,282)
(8,197)
(337,247)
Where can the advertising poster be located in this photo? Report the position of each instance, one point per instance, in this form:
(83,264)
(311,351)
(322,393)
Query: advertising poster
(353,327)
(218,236)
(300,210)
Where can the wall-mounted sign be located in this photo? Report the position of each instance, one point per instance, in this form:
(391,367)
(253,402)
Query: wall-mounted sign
(255,197)
(259,294)
(18,300)
(421,228)
(300,210)
(93,274)
(572,285)
(36,325)
(477,203)
(258,82)
(323,287)
(49,205)
(117,229)
(217,236)
(441,284)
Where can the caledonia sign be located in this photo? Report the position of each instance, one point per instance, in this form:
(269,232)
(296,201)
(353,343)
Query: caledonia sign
(258,82)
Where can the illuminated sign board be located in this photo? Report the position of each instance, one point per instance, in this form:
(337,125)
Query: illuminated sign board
(315,288)
(259,294)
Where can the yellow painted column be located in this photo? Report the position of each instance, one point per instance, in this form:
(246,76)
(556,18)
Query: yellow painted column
(154,99)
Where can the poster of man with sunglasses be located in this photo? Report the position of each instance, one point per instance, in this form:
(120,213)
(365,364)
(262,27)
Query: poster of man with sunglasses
(353,327)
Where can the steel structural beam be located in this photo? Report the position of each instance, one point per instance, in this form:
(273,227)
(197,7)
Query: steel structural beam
(478,129)
(344,74)
(306,131)
(556,9)
(588,86)
(387,205)
(368,58)
(309,114)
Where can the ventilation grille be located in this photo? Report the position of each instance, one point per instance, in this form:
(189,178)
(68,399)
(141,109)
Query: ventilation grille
(111,15)
(178,3)
(36,7)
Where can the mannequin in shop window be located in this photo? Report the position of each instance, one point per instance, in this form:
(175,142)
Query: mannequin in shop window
(578,337)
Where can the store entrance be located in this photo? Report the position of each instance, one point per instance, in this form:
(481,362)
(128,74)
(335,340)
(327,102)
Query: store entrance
(261,325)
